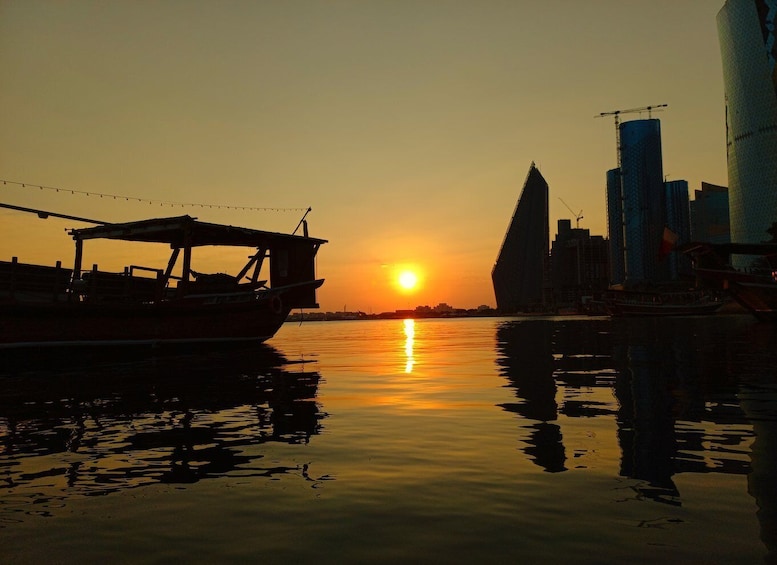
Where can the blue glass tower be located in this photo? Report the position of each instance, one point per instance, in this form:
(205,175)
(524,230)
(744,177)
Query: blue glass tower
(644,201)
(615,226)
(678,219)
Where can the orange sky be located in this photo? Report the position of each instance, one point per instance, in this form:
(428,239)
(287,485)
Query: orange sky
(408,126)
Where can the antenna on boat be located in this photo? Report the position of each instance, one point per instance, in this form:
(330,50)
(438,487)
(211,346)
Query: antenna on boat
(302,221)
(43,214)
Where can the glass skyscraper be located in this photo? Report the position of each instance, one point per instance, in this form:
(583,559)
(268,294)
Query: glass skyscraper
(640,205)
(709,214)
(644,200)
(615,226)
(678,219)
(748,46)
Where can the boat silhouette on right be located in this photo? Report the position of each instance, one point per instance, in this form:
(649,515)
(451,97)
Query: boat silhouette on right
(658,301)
(753,287)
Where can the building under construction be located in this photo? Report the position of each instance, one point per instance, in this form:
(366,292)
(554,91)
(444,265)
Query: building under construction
(579,265)
(520,275)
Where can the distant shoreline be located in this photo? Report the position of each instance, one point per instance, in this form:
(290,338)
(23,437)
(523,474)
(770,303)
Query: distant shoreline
(410,314)
(731,308)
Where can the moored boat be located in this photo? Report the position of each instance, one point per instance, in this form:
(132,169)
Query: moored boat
(691,302)
(755,287)
(53,305)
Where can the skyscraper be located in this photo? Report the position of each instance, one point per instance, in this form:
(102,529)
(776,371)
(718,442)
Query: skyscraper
(520,272)
(709,214)
(579,264)
(678,219)
(644,200)
(615,226)
(747,30)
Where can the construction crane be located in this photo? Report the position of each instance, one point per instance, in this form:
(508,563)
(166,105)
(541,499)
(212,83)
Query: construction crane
(578,216)
(617,114)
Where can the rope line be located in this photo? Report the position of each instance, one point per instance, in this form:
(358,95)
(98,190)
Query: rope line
(170,203)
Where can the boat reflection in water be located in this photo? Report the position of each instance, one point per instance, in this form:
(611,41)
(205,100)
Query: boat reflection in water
(107,421)
(688,396)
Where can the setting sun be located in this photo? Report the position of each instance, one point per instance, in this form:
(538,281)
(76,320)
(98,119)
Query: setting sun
(408,280)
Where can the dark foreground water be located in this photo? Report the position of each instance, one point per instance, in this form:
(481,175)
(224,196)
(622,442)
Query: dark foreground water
(559,440)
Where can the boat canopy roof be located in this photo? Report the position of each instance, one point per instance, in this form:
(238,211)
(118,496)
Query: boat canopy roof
(186,231)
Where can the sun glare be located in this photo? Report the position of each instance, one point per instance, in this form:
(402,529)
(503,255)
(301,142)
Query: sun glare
(408,280)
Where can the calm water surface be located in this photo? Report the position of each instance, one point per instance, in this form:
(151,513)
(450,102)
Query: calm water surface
(495,440)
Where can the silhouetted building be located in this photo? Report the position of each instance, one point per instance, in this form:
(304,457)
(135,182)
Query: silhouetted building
(709,214)
(747,30)
(520,272)
(678,219)
(615,226)
(644,202)
(579,264)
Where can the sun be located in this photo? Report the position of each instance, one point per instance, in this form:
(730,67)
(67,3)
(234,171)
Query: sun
(408,280)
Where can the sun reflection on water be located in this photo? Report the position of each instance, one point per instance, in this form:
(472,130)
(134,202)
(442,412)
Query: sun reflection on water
(409,338)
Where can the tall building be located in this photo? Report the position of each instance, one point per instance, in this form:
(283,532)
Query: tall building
(579,264)
(709,214)
(520,272)
(643,201)
(747,30)
(615,226)
(678,219)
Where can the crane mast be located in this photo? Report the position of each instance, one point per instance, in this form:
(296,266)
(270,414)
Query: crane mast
(578,216)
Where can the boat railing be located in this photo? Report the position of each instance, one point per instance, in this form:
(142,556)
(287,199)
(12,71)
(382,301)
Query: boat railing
(103,286)
(27,282)
(132,268)
(209,283)
(658,298)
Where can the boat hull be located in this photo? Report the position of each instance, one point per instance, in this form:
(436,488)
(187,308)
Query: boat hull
(759,298)
(215,318)
(623,309)
(757,294)
(753,287)
(636,303)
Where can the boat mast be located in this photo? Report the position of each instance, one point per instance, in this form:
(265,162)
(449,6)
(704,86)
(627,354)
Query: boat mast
(43,214)
(302,221)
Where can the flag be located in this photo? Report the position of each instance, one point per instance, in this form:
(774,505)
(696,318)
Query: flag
(667,243)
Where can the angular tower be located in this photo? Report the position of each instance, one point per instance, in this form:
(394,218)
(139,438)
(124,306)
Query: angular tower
(747,30)
(520,272)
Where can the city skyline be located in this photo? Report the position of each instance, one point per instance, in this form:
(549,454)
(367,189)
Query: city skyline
(407,128)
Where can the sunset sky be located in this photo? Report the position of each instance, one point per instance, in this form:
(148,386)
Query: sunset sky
(408,126)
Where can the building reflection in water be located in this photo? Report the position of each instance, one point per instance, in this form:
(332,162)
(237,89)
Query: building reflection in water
(693,395)
(111,423)
(674,384)
(526,360)
(755,359)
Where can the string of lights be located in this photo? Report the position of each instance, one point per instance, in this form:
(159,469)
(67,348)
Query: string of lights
(170,203)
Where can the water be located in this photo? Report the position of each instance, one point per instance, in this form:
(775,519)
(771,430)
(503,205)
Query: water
(555,440)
